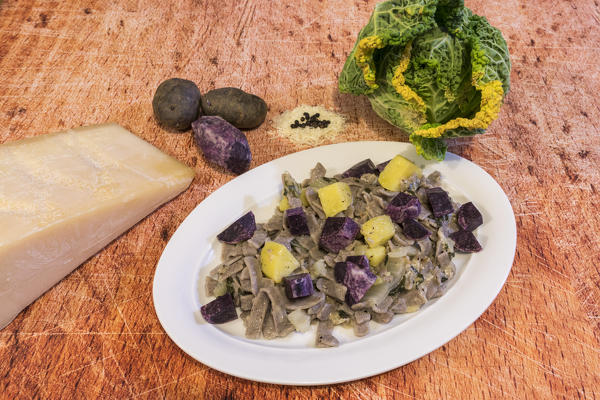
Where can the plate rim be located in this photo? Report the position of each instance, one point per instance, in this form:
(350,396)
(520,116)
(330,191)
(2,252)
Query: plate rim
(400,148)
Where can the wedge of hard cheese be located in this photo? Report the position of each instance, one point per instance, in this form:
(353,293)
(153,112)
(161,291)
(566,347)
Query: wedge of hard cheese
(66,195)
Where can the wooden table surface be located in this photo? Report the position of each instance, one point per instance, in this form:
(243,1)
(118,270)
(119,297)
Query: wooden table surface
(95,334)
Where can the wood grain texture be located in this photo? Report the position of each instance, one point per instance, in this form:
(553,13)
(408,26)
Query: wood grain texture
(95,334)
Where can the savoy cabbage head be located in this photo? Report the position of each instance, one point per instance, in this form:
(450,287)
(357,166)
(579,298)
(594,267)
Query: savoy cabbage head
(430,67)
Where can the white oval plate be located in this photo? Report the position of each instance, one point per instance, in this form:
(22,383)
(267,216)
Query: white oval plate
(193,251)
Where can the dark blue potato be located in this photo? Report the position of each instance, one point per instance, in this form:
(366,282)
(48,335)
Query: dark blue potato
(361,261)
(414,230)
(381,166)
(241,109)
(240,231)
(295,219)
(363,167)
(338,233)
(439,201)
(176,103)
(222,143)
(403,206)
(465,241)
(358,280)
(297,286)
(220,310)
(469,217)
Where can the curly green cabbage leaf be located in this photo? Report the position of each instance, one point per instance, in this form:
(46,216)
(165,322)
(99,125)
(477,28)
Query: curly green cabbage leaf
(430,67)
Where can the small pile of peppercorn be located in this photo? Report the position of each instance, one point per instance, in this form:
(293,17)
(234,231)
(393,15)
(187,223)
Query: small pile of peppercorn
(312,121)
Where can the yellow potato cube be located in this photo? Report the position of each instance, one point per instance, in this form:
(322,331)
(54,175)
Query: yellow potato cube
(376,255)
(335,198)
(397,170)
(284,204)
(360,249)
(377,231)
(277,261)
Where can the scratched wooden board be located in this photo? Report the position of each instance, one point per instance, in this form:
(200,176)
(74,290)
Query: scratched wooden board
(95,334)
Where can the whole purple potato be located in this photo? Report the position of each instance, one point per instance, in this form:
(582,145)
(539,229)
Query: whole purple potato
(222,143)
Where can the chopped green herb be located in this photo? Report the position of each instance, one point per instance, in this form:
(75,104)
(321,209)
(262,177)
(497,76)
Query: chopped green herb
(229,286)
(290,186)
(419,279)
(397,290)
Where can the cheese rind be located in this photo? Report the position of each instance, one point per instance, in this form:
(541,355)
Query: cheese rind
(66,195)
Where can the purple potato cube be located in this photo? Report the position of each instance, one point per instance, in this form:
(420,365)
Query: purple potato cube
(240,231)
(220,310)
(338,233)
(402,207)
(358,280)
(363,167)
(222,143)
(439,201)
(469,217)
(414,230)
(361,261)
(380,167)
(465,241)
(297,286)
(295,219)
